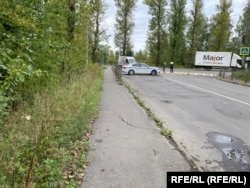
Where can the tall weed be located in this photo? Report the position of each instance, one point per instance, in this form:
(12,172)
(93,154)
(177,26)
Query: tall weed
(242,75)
(44,144)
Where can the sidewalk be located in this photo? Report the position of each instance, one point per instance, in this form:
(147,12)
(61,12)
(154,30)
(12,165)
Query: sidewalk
(127,149)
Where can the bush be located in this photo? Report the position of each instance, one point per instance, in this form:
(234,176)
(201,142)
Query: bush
(242,75)
(44,144)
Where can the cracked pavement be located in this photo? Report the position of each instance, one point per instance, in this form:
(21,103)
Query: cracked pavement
(126,148)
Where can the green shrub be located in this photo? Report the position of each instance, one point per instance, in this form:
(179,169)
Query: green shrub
(44,144)
(242,75)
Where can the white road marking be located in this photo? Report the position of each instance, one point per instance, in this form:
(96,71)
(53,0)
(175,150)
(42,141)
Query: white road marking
(224,96)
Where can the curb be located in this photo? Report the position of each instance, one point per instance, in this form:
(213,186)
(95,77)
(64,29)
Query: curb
(193,74)
(193,165)
(238,82)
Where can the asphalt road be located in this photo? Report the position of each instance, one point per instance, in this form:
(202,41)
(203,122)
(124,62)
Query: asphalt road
(209,118)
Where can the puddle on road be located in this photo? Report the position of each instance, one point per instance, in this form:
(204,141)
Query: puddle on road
(222,139)
(236,154)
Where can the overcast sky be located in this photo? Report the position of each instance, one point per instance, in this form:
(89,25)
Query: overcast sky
(141,19)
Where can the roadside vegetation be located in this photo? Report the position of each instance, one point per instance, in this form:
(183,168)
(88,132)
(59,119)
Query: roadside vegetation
(166,132)
(242,75)
(159,123)
(44,144)
(50,84)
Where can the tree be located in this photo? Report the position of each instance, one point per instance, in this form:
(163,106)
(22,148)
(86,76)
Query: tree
(97,11)
(221,26)
(124,25)
(71,19)
(38,45)
(157,37)
(195,31)
(236,41)
(246,23)
(142,56)
(17,26)
(177,25)
(206,34)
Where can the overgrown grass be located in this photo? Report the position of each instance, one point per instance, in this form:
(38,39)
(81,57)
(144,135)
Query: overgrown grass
(164,131)
(45,144)
(242,75)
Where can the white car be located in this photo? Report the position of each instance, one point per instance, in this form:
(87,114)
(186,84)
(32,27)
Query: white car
(139,68)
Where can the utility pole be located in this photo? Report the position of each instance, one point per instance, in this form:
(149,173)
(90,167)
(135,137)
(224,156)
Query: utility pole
(244,57)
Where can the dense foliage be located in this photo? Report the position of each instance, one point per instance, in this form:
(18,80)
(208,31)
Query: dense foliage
(37,47)
(49,90)
(45,144)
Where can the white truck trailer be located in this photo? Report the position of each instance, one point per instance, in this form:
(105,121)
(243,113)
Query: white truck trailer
(209,59)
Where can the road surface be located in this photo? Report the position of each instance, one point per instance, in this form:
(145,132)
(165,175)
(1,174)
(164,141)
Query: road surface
(209,118)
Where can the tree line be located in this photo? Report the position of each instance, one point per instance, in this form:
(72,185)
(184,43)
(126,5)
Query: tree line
(50,86)
(43,43)
(175,34)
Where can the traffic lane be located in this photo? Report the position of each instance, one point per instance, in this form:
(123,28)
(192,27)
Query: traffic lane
(198,72)
(213,85)
(228,95)
(164,98)
(192,113)
(184,117)
(159,96)
(227,113)
(231,101)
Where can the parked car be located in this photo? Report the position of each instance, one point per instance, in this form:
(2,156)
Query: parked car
(140,68)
